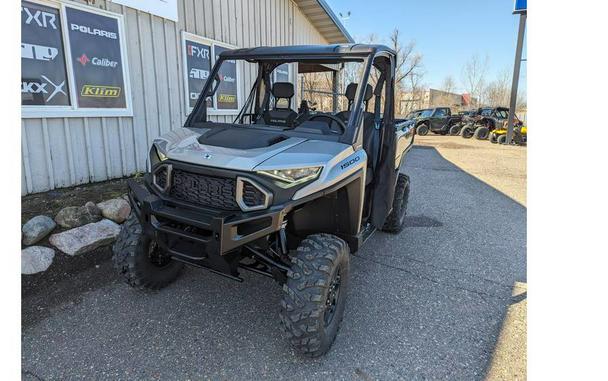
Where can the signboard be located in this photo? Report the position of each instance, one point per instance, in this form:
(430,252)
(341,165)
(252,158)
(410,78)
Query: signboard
(163,8)
(227,92)
(199,56)
(96,59)
(198,66)
(73,61)
(521,6)
(43,68)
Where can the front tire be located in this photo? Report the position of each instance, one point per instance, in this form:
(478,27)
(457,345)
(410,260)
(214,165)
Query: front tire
(455,130)
(314,295)
(422,129)
(140,261)
(502,139)
(394,221)
(467,132)
(481,133)
(493,138)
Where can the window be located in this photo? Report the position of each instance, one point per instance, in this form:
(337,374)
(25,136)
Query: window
(73,61)
(199,55)
(440,112)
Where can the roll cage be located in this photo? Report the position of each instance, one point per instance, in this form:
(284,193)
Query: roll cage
(268,58)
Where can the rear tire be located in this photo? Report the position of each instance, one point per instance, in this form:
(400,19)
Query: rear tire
(394,221)
(314,295)
(140,262)
(422,129)
(502,139)
(467,132)
(493,138)
(481,133)
(455,130)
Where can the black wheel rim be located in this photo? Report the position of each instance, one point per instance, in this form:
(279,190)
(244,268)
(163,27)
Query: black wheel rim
(333,296)
(156,255)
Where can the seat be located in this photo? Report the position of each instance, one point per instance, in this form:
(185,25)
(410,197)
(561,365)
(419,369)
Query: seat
(350,92)
(281,116)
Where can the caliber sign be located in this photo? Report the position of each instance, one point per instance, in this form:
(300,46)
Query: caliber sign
(43,69)
(96,59)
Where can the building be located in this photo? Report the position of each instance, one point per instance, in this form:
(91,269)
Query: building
(410,101)
(101,79)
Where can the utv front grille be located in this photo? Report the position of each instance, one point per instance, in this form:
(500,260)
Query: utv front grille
(209,191)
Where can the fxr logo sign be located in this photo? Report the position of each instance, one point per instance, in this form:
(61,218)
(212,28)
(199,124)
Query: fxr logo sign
(93,31)
(198,52)
(100,91)
(42,19)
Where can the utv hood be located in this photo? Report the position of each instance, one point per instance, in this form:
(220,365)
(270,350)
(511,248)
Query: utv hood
(235,148)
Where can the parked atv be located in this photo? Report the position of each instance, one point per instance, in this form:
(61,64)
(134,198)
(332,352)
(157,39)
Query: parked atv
(520,134)
(274,193)
(484,122)
(438,120)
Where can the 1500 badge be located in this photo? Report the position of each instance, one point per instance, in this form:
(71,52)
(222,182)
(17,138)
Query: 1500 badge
(350,162)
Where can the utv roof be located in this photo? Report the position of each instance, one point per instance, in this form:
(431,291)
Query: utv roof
(305,51)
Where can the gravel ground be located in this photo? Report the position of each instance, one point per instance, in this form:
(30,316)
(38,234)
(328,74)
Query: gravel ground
(428,303)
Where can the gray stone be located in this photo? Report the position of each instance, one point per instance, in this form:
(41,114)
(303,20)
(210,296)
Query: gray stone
(116,209)
(74,216)
(35,259)
(86,238)
(36,229)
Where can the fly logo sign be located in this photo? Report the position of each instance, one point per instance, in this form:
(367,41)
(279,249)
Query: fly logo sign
(199,73)
(38,52)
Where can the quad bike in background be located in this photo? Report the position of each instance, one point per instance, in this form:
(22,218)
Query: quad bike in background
(484,122)
(520,134)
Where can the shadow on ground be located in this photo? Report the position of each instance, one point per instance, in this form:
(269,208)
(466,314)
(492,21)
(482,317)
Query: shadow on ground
(426,303)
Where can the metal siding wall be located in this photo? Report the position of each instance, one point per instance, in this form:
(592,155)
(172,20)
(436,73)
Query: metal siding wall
(60,152)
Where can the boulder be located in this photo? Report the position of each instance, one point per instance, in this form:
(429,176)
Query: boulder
(85,238)
(74,216)
(35,259)
(36,229)
(116,209)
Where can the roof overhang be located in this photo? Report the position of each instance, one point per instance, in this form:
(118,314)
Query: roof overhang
(325,21)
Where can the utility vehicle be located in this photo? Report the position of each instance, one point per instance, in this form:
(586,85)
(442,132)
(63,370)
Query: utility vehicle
(438,120)
(282,194)
(520,134)
(485,122)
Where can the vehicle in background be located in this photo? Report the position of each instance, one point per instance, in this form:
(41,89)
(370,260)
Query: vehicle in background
(520,134)
(438,120)
(484,122)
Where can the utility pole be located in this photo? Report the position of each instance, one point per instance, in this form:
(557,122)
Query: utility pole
(521,9)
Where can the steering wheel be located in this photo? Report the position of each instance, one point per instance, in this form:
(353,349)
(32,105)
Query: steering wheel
(334,118)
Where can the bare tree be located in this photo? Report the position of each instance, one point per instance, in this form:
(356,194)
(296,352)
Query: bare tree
(497,92)
(408,62)
(449,84)
(473,76)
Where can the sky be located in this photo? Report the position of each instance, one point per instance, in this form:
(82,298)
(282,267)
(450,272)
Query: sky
(447,32)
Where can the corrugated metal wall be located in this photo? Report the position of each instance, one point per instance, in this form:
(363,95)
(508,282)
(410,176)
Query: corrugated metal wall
(60,152)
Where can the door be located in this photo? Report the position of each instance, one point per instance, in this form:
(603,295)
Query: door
(438,119)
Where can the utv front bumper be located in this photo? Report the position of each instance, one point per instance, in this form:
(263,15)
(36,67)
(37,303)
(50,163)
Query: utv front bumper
(199,236)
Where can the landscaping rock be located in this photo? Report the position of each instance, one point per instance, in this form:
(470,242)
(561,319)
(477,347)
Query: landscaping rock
(85,238)
(116,209)
(35,259)
(36,229)
(74,216)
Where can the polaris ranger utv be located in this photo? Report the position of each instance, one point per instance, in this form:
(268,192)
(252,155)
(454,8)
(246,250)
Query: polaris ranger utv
(283,194)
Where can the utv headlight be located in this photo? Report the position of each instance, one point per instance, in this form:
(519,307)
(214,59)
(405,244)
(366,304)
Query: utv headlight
(156,155)
(293,176)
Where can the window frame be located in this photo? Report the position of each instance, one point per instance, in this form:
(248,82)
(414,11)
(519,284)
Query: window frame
(73,110)
(213,110)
